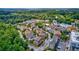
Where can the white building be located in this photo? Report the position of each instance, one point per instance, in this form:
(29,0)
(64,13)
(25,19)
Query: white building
(55,22)
(74,40)
(64,25)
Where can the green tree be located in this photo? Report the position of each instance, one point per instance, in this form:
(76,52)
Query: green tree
(10,39)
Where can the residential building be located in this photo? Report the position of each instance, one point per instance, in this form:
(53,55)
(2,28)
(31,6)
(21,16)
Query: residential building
(74,41)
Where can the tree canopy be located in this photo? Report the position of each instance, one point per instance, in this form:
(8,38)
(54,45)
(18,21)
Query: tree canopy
(10,39)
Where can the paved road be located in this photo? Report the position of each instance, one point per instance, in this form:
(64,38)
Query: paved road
(63,46)
(41,48)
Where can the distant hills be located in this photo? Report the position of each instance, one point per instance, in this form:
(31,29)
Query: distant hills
(37,9)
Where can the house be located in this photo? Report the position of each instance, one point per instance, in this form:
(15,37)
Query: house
(38,41)
(48,29)
(39,37)
(21,27)
(71,28)
(64,25)
(29,34)
(54,22)
(40,32)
